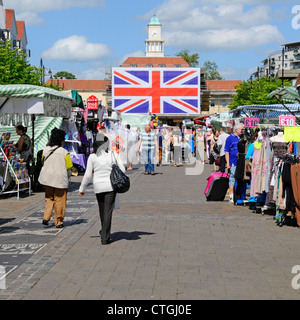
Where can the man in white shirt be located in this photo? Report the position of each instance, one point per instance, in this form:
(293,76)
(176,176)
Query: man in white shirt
(221,143)
(148,142)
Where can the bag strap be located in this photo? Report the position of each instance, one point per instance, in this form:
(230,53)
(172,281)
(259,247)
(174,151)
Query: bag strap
(51,153)
(114,157)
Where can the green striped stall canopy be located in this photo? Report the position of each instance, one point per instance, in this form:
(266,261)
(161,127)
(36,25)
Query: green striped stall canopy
(30,91)
(42,130)
(30,99)
(289,94)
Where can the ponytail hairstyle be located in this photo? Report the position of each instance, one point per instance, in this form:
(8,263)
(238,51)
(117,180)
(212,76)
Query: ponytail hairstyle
(21,128)
(101,144)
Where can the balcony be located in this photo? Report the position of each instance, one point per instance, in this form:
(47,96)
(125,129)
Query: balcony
(296,58)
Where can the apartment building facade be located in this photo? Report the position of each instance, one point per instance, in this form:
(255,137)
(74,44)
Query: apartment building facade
(284,63)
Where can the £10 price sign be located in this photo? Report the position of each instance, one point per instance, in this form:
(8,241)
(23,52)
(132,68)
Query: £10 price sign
(251,122)
(287,121)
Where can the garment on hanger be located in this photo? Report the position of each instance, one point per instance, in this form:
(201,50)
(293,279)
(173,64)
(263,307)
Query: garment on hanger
(255,168)
(287,186)
(295,179)
(269,155)
(263,167)
(279,151)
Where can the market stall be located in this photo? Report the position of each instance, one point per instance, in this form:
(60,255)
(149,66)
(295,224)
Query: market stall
(22,104)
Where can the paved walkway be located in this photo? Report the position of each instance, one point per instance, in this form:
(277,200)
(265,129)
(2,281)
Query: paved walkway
(168,243)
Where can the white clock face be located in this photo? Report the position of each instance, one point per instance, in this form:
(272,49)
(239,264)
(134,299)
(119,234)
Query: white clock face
(154,34)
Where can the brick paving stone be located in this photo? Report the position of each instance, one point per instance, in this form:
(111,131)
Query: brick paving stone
(169,243)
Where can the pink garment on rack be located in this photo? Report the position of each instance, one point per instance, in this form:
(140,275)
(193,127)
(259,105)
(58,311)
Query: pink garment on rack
(254,171)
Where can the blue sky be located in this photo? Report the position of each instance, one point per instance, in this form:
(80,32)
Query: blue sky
(86,36)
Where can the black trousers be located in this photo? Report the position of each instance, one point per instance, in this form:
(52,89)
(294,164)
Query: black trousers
(106,202)
(223,164)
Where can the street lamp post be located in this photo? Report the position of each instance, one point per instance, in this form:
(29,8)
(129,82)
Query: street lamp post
(282,68)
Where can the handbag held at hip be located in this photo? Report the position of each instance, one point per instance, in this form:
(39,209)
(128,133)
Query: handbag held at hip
(119,181)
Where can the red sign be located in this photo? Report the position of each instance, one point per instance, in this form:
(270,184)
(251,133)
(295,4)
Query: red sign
(92,103)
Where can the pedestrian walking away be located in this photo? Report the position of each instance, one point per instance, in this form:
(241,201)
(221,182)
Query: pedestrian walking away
(176,140)
(149,145)
(98,170)
(55,178)
(221,143)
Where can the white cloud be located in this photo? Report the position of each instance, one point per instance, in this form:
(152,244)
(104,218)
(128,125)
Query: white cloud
(218,24)
(76,48)
(46,5)
(244,2)
(171,9)
(138,53)
(221,17)
(225,39)
(92,74)
(30,18)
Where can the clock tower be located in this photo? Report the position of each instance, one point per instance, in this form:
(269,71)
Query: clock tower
(154,43)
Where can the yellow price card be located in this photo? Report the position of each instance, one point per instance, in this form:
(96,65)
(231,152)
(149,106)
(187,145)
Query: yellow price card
(292,134)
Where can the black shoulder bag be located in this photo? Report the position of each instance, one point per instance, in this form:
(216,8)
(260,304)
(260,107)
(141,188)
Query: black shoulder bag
(119,181)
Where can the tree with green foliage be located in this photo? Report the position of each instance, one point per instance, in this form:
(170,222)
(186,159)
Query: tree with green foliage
(256,92)
(191,59)
(211,71)
(15,69)
(210,67)
(64,75)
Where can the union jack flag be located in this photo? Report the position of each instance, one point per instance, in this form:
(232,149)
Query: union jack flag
(156,90)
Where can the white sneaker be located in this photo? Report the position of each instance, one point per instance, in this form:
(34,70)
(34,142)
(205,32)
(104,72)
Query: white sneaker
(231,200)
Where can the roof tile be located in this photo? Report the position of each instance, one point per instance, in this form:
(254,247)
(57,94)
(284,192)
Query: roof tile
(9,16)
(214,85)
(155,61)
(20,28)
(80,85)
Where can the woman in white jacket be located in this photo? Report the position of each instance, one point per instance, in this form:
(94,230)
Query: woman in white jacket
(98,169)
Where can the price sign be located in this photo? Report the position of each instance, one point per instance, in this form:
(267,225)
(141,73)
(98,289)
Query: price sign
(292,134)
(287,121)
(251,122)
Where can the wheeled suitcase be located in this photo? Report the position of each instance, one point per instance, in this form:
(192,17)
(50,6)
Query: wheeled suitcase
(217,186)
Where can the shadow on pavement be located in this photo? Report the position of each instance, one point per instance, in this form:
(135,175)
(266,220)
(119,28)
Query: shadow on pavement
(4,221)
(122,235)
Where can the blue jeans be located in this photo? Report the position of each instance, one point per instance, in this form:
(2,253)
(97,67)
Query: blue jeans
(148,157)
(232,176)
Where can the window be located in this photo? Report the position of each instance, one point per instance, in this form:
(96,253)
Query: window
(133,65)
(17,44)
(162,65)
(5,35)
(149,65)
(177,66)
(212,103)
